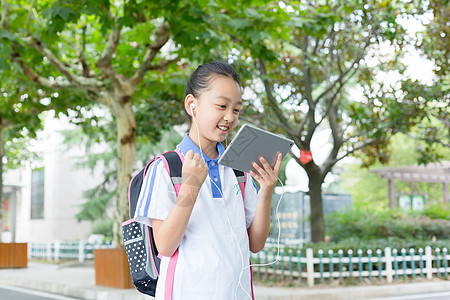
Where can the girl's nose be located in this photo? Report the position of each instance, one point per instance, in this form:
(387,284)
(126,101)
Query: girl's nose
(229,116)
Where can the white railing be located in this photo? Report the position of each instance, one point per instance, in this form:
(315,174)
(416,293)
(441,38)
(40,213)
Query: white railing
(389,264)
(301,265)
(64,250)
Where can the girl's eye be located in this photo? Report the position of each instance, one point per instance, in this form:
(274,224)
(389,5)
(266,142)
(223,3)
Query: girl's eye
(222,106)
(236,110)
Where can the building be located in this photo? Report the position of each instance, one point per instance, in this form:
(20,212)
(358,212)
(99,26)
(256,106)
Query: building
(42,198)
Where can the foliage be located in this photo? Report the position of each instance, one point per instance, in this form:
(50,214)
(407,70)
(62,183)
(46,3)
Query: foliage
(98,199)
(437,211)
(316,54)
(370,190)
(147,150)
(19,119)
(89,52)
(370,225)
(433,43)
(104,227)
(18,152)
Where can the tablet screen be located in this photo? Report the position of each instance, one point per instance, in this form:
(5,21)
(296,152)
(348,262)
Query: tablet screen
(249,144)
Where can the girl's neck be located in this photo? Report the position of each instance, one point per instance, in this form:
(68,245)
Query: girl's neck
(209,148)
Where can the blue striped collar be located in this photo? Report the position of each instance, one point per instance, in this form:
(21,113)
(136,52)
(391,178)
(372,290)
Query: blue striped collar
(187,144)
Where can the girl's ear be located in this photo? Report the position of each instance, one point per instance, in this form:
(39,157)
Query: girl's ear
(189,104)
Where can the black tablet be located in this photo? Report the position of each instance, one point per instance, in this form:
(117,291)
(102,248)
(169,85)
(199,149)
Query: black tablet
(249,144)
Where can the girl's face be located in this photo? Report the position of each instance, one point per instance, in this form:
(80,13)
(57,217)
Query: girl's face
(217,109)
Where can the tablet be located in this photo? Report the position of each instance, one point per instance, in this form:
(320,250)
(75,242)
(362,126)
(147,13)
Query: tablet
(249,144)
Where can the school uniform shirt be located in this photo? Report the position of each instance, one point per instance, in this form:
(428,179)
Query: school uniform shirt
(210,262)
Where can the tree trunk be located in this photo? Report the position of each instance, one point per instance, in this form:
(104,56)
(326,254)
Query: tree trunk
(126,139)
(315,193)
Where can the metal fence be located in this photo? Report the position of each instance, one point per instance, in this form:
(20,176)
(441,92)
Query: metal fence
(64,250)
(390,264)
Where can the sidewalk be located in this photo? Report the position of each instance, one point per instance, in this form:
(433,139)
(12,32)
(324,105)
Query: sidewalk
(78,281)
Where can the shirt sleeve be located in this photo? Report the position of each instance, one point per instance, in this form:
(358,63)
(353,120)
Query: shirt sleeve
(250,199)
(157,195)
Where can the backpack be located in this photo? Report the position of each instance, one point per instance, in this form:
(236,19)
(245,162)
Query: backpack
(140,246)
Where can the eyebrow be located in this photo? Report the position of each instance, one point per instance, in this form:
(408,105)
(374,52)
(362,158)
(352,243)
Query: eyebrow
(228,99)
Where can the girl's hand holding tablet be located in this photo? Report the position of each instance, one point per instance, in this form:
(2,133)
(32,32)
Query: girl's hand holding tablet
(266,176)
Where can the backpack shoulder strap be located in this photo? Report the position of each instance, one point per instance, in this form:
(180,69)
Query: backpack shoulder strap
(174,164)
(134,188)
(242,180)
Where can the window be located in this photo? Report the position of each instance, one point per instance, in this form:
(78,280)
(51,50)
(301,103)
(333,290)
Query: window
(37,194)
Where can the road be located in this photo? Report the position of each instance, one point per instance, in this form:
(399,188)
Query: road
(13,293)
(425,296)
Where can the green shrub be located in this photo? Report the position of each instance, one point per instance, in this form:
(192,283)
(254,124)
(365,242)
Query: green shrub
(104,227)
(437,211)
(365,225)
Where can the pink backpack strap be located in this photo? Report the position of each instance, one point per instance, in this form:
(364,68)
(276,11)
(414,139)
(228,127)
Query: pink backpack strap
(170,276)
(177,185)
(242,181)
(168,291)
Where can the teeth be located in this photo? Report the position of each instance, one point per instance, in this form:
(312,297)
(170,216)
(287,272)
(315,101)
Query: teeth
(223,128)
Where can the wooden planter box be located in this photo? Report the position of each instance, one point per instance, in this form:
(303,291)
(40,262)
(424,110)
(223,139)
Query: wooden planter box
(13,255)
(111,268)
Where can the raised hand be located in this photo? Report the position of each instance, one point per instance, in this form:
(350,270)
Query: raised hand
(193,173)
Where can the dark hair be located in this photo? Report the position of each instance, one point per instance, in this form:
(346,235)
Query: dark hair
(199,81)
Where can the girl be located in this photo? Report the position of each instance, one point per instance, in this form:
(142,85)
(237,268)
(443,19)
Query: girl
(210,226)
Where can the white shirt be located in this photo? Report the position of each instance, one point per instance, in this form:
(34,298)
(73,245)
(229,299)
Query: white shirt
(209,258)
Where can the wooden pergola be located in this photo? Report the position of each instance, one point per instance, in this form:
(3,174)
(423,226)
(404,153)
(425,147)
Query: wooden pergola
(433,173)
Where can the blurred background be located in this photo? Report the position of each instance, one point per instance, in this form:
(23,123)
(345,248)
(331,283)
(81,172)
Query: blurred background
(92,90)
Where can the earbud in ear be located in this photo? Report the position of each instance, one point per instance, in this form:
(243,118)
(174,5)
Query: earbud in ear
(192,106)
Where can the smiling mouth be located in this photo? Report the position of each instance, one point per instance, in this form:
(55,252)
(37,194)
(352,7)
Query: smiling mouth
(223,128)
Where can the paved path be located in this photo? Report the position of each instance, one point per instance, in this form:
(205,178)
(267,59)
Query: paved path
(424,296)
(9,293)
(78,281)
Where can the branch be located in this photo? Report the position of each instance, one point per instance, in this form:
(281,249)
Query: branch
(428,139)
(104,62)
(337,143)
(273,102)
(4,15)
(333,99)
(310,117)
(84,65)
(342,75)
(42,81)
(77,80)
(308,81)
(30,13)
(316,46)
(161,38)
(354,149)
(162,64)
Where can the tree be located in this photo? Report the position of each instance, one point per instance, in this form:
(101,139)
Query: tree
(309,84)
(99,53)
